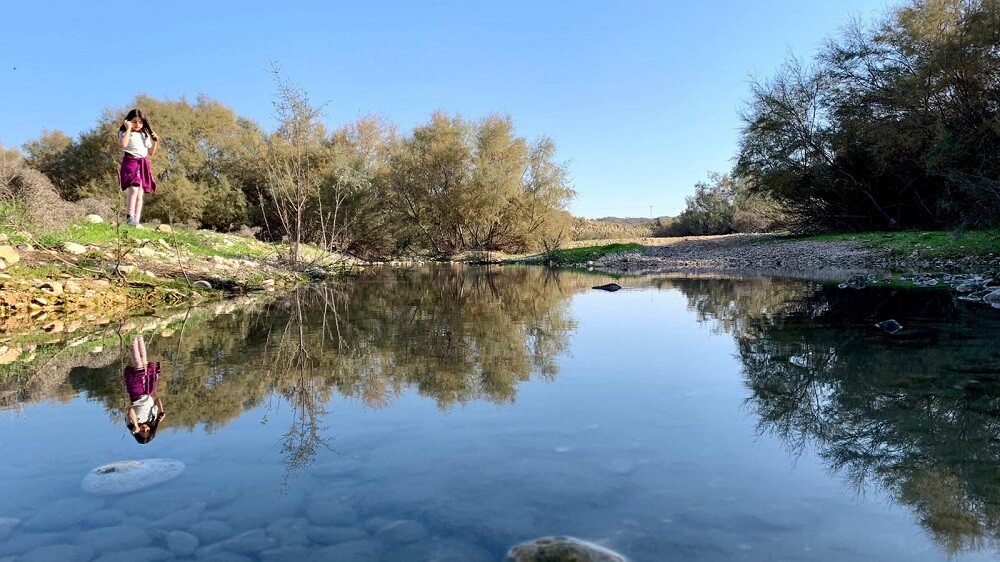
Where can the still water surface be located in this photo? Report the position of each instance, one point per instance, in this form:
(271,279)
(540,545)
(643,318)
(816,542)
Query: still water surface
(447,414)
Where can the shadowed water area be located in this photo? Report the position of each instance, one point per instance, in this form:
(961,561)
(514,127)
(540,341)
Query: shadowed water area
(449,413)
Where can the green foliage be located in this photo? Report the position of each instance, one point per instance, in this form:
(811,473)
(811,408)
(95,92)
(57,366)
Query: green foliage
(462,186)
(892,127)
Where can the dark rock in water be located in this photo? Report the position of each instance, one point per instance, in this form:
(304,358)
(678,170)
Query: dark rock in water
(561,549)
(890,326)
(857,282)
(612,287)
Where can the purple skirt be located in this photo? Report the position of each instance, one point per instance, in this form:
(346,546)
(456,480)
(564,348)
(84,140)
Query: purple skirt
(137,171)
(139,382)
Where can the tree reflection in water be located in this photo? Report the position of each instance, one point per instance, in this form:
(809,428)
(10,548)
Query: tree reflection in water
(917,413)
(455,335)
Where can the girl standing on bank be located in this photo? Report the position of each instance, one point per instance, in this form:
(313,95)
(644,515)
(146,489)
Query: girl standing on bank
(139,142)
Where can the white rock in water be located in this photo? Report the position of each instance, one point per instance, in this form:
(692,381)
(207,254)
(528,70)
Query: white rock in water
(129,476)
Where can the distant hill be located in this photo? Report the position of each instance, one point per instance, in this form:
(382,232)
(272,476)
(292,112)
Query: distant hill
(633,220)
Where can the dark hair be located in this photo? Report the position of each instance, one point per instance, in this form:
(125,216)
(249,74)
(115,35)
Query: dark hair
(143,437)
(145,122)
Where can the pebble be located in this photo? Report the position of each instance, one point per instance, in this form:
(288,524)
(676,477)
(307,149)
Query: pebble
(181,543)
(121,537)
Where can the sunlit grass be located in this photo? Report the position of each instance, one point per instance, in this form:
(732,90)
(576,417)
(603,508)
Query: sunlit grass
(199,242)
(928,244)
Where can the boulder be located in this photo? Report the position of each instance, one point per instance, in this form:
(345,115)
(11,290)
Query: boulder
(95,219)
(561,549)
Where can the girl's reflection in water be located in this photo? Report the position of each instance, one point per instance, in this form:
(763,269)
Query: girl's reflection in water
(146,411)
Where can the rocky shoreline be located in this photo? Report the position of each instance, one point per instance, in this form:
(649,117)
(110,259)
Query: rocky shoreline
(762,252)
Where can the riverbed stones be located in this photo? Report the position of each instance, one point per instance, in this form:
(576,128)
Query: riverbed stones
(120,537)
(562,549)
(365,549)
(63,513)
(181,519)
(331,513)
(129,476)
(147,554)
(403,531)
(326,535)
(211,530)
(8,524)
(61,552)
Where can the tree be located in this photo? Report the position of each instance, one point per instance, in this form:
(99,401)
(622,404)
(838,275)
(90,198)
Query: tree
(895,126)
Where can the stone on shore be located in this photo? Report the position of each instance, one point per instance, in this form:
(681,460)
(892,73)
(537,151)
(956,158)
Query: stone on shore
(74,248)
(8,256)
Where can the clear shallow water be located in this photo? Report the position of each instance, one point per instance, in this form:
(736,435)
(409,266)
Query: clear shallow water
(448,414)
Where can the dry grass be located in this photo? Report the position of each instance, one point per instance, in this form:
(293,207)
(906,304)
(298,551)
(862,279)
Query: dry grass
(592,230)
(32,202)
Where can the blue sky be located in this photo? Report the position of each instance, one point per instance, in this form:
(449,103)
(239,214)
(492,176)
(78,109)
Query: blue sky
(642,98)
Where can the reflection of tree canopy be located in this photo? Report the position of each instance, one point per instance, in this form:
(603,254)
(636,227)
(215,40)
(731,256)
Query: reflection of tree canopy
(916,412)
(456,335)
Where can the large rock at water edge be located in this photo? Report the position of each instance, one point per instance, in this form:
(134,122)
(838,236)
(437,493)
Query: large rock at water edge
(562,549)
(129,476)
